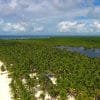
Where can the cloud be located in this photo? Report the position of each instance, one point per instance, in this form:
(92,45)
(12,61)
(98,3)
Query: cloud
(65,26)
(20,26)
(19,16)
(78,27)
(96,12)
(13,4)
(97,26)
(66,4)
(44,8)
(38,29)
(12,27)
(7,8)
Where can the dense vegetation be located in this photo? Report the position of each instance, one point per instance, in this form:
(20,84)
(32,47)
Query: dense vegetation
(76,74)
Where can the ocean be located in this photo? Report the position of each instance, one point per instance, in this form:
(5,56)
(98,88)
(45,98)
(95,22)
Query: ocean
(7,37)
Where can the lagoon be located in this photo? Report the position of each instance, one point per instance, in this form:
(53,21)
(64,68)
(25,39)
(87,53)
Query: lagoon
(90,52)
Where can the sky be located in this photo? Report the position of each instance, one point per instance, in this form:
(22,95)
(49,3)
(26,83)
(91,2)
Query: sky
(49,17)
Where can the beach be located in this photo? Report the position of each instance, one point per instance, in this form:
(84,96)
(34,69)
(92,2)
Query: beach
(5,91)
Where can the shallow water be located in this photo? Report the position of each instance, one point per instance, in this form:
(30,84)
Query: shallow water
(92,53)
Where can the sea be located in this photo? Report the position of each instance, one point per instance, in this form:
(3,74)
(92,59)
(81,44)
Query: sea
(7,37)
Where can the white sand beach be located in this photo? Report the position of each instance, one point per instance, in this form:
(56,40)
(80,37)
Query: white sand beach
(5,92)
(69,97)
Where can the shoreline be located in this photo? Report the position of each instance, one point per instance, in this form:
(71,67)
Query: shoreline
(5,91)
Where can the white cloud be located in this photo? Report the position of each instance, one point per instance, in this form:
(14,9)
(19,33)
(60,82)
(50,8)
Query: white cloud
(79,26)
(20,26)
(19,15)
(66,4)
(12,27)
(8,7)
(38,8)
(72,26)
(96,12)
(38,29)
(65,26)
(13,4)
(97,26)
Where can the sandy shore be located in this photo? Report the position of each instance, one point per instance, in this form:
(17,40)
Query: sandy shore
(5,93)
